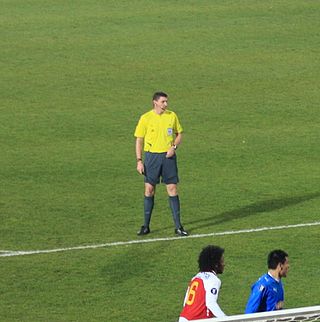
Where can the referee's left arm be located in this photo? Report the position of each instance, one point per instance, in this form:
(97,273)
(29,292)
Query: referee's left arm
(176,143)
(178,139)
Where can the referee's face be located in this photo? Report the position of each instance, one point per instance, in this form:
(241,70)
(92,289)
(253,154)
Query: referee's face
(160,104)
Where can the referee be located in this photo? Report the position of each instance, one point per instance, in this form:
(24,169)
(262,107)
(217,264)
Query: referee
(159,134)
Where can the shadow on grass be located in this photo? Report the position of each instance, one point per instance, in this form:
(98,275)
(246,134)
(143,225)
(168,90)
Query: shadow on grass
(138,261)
(250,210)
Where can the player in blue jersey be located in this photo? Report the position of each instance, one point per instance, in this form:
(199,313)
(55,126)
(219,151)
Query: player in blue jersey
(267,293)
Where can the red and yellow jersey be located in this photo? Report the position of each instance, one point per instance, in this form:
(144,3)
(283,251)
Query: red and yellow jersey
(201,298)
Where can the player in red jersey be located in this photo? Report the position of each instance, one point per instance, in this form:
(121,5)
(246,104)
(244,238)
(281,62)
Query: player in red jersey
(201,298)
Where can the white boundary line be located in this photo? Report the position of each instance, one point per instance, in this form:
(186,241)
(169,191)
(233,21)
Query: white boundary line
(280,315)
(10,253)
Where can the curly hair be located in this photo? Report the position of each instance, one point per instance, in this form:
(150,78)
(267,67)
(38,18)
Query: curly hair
(210,258)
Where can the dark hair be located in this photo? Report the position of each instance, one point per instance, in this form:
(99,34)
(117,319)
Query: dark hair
(210,258)
(157,95)
(276,257)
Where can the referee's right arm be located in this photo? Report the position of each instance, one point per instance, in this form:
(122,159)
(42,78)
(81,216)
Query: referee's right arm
(139,145)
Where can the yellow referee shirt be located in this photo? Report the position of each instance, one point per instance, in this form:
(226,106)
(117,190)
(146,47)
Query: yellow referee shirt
(158,130)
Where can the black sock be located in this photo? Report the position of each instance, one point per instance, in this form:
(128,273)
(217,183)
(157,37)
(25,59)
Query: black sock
(174,203)
(148,207)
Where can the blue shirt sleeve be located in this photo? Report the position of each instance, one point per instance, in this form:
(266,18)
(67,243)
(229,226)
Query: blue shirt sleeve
(255,298)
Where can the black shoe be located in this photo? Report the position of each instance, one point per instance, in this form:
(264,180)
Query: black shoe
(143,231)
(181,232)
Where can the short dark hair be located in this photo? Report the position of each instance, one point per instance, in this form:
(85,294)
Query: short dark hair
(157,95)
(210,258)
(276,257)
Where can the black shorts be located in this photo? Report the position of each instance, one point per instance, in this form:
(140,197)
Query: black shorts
(156,165)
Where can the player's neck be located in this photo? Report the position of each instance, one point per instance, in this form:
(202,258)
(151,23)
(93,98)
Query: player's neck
(275,274)
(158,110)
(209,272)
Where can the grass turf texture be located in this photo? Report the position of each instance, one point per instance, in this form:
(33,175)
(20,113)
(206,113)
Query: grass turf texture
(148,282)
(244,79)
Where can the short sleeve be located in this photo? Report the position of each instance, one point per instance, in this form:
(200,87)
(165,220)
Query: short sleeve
(178,126)
(140,131)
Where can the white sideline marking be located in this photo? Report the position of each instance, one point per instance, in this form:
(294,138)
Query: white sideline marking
(279,315)
(10,253)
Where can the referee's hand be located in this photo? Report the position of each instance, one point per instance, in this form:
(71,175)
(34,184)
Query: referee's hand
(140,167)
(170,153)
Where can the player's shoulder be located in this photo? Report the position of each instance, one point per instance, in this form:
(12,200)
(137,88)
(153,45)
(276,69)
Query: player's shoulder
(208,276)
(266,280)
(211,282)
(171,113)
(147,115)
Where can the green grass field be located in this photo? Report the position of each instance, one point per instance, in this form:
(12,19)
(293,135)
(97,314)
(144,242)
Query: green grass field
(243,77)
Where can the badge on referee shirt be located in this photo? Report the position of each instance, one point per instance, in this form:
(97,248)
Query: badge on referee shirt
(169,131)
